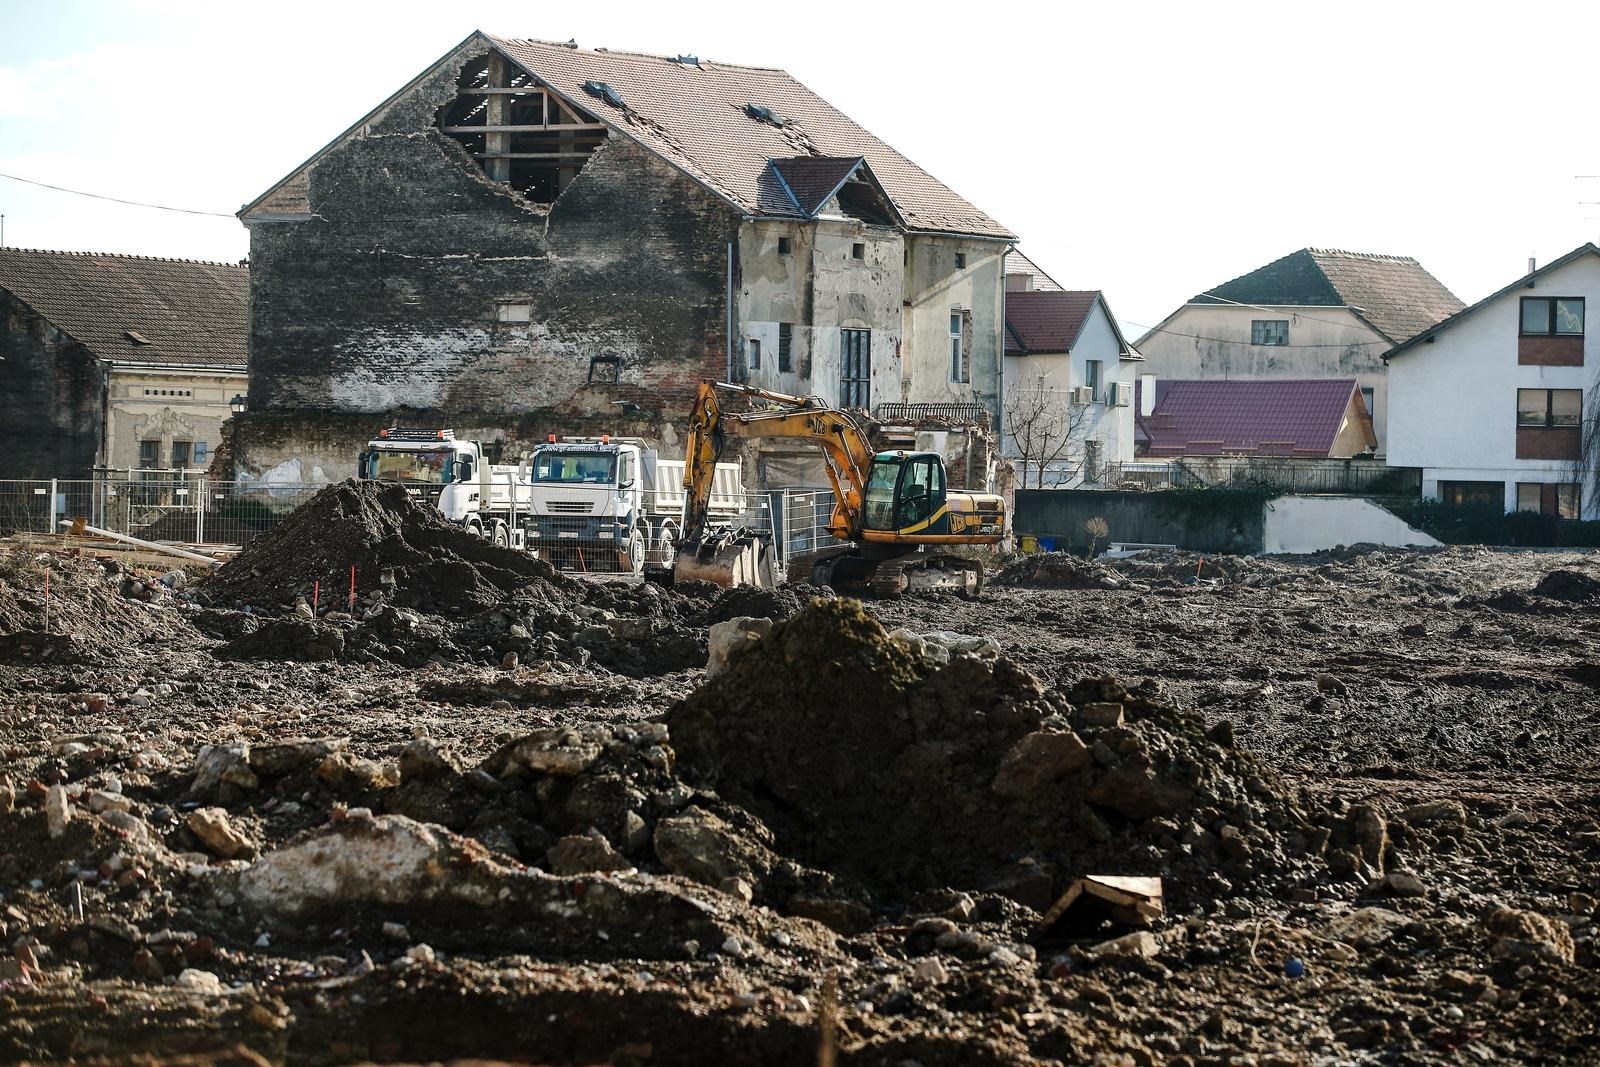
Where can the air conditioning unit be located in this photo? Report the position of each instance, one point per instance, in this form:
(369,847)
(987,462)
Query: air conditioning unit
(1083,395)
(1123,395)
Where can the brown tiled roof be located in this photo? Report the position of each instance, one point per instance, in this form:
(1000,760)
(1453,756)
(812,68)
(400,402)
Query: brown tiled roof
(1046,320)
(179,311)
(1394,294)
(812,179)
(1017,263)
(698,118)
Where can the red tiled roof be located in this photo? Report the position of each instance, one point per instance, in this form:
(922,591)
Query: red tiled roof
(1046,320)
(812,179)
(182,311)
(696,117)
(1276,418)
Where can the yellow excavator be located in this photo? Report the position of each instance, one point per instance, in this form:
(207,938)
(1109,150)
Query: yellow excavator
(892,510)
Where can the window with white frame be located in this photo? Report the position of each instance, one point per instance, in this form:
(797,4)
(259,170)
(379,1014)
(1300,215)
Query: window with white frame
(960,367)
(753,352)
(1091,377)
(1269,331)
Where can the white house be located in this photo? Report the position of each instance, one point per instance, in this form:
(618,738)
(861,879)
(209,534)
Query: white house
(1315,313)
(1490,402)
(1068,388)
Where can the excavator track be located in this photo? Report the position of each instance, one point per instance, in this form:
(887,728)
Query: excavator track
(892,577)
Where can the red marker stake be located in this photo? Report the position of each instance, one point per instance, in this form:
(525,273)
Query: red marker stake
(352,588)
(316,594)
(47,598)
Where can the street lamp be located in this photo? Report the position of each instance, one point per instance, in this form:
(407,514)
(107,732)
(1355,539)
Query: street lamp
(237,406)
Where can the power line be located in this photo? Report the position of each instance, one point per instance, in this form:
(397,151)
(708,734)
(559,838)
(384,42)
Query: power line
(119,200)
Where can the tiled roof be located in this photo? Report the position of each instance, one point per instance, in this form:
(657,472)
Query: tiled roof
(1017,263)
(697,118)
(1586,249)
(1270,418)
(812,179)
(1394,294)
(1046,320)
(182,311)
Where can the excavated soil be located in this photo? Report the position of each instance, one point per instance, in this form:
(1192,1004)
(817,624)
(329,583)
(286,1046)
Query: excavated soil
(523,823)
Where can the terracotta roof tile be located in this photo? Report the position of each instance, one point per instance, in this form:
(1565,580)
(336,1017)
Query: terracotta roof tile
(697,117)
(182,311)
(1046,320)
(1394,293)
(1280,418)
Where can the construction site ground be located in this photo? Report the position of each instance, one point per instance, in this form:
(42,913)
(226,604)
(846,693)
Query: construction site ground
(498,813)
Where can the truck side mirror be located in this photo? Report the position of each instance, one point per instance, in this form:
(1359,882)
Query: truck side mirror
(465,467)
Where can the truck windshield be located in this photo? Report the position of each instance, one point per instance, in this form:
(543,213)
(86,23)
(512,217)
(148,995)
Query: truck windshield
(574,467)
(880,494)
(431,468)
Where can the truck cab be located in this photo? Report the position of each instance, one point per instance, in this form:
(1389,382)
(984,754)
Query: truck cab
(432,465)
(587,501)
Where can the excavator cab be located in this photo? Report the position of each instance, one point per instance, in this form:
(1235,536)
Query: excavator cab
(905,492)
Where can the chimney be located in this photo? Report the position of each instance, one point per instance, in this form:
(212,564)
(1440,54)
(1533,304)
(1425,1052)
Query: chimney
(1147,394)
(1533,264)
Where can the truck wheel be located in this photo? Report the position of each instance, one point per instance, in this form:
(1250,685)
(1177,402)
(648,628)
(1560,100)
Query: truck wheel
(502,536)
(475,528)
(636,553)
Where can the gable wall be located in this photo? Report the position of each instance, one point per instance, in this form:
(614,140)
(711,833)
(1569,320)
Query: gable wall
(52,397)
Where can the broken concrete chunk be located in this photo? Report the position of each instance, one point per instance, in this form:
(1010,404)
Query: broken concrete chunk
(213,762)
(285,757)
(699,845)
(731,639)
(1130,900)
(1436,813)
(1143,944)
(563,752)
(1528,936)
(1037,760)
(8,795)
(582,853)
(422,759)
(57,812)
(202,982)
(1101,716)
(218,835)
(942,645)
(1367,927)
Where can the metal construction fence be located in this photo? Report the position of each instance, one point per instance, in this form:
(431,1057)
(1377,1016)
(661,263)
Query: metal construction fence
(574,526)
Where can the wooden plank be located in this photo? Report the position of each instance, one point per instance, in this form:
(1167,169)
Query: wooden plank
(575,127)
(552,156)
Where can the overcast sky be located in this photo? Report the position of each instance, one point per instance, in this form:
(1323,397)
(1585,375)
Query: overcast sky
(1149,150)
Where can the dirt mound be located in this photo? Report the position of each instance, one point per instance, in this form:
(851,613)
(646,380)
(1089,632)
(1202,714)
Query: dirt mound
(395,544)
(1057,570)
(1574,587)
(871,759)
(84,600)
(753,602)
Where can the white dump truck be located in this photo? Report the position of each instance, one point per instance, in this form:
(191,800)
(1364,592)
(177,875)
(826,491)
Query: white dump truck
(599,504)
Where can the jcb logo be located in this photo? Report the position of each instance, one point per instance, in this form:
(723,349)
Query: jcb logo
(958,523)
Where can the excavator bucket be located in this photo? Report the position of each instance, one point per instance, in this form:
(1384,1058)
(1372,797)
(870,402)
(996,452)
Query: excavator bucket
(738,557)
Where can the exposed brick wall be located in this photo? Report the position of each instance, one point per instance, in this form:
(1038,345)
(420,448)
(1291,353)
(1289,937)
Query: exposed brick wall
(386,301)
(1550,351)
(1554,442)
(52,397)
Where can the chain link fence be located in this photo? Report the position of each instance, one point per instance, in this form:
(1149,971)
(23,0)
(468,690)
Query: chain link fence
(158,507)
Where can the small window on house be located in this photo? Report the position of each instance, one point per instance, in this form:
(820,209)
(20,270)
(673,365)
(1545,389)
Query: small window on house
(181,452)
(753,348)
(1091,377)
(149,454)
(1549,407)
(855,369)
(961,261)
(858,251)
(1269,331)
(1544,316)
(510,311)
(960,366)
(200,453)
(1473,494)
(1368,396)
(785,347)
(783,246)
(1560,499)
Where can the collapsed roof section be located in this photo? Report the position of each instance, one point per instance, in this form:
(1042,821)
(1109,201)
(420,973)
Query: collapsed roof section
(721,125)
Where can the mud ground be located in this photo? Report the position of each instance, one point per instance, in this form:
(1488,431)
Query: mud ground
(1369,779)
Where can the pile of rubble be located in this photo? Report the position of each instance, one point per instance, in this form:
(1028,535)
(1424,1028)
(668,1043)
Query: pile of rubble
(394,546)
(1056,570)
(57,608)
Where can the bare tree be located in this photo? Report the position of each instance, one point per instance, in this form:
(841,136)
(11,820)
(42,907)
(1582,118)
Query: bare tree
(1046,433)
(1585,469)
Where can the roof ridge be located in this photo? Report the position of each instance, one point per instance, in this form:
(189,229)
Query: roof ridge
(123,255)
(628,52)
(1346,254)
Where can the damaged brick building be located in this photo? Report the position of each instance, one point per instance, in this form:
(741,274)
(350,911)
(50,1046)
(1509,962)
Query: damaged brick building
(533,237)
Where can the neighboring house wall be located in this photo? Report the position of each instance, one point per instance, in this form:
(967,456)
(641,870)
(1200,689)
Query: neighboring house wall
(1103,422)
(1454,398)
(187,409)
(934,288)
(52,397)
(1204,341)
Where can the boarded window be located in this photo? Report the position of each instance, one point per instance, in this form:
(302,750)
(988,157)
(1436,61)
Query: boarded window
(510,311)
(753,347)
(855,372)
(785,347)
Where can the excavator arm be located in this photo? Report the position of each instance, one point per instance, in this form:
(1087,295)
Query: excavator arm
(845,448)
